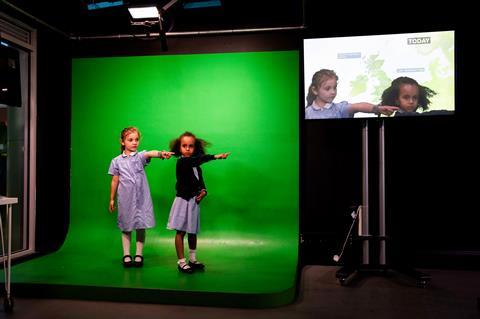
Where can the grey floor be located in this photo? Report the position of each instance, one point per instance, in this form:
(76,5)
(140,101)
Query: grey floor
(450,294)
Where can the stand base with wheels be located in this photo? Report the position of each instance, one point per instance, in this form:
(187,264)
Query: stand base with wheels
(346,274)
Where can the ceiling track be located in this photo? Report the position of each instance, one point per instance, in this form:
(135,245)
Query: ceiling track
(186,33)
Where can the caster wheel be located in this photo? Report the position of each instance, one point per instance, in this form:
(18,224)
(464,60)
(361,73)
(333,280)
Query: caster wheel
(8,304)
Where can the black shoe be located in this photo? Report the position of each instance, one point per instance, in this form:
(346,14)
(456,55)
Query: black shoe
(127,263)
(196,265)
(185,268)
(138,263)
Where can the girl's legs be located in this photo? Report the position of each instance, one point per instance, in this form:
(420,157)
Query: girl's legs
(179,244)
(192,241)
(126,238)
(140,242)
(192,245)
(179,247)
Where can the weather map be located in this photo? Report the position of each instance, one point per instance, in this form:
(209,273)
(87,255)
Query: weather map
(366,65)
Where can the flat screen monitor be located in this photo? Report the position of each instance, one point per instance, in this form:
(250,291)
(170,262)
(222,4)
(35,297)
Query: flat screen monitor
(379,75)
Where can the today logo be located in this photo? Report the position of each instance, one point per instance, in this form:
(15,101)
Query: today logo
(419,40)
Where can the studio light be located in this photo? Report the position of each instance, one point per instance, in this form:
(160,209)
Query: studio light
(151,15)
(145,12)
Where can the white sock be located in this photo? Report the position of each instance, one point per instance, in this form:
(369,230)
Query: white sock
(126,242)
(140,242)
(192,255)
(181,261)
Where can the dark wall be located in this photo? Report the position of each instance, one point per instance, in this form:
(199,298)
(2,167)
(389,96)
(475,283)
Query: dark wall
(53,139)
(431,213)
(331,185)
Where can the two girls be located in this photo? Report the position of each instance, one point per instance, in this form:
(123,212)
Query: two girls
(135,209)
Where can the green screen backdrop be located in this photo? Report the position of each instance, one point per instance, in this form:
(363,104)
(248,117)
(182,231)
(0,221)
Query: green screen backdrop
(243,103)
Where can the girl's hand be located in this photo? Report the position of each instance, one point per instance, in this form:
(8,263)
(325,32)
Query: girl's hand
(222,155)
(387,109)
(200,196)
(111,207)
(165,154)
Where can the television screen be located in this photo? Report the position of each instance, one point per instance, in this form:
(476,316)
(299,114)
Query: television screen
(379,75)
(10,93)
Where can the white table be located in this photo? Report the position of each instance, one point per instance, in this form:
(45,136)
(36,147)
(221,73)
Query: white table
(8,201)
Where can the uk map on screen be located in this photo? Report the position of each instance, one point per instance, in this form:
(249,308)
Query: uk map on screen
(367,65)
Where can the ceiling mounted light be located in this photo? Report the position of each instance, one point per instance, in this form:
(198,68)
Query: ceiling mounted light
(146,12)
(149,16)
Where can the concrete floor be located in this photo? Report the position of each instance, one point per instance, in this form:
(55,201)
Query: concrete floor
(449,294)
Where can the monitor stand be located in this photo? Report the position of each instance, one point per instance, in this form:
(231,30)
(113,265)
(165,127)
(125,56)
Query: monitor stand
(352,267)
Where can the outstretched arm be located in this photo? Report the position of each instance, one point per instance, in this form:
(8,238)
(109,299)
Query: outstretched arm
(222,155)
(158,154)
(113,190)
(203,192)
(199,160)
(372,108)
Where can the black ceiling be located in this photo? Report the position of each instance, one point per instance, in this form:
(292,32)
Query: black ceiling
(72,16)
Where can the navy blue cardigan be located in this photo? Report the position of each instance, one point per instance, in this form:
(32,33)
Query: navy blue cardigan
(188,185)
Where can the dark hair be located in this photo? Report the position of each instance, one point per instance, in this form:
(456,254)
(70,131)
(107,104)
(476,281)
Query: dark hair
(200,145)
(390,95)
(125,132)
(318,78)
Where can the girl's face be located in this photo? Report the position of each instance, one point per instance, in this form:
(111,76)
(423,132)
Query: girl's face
(130,142)
(187,146)
(408,97)
(327,92)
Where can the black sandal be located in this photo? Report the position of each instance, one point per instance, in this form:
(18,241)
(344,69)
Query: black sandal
(127,263)
(185,268)
(196,265)
(138,263)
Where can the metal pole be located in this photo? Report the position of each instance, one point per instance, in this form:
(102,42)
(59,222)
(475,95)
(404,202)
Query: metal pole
(381,193)
(185,33)
(9,252)
(363,222)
